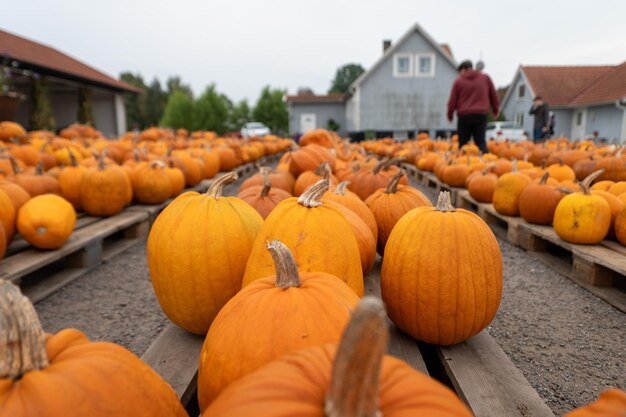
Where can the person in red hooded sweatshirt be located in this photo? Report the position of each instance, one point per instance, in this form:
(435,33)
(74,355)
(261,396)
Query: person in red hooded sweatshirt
(472,95)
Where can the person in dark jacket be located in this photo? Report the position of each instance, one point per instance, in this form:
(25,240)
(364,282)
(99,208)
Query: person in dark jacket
(541,111)
(472,95)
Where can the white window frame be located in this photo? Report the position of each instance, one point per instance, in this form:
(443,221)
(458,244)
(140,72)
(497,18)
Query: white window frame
(518,87)
(398,74)
(519,118)
(432,65)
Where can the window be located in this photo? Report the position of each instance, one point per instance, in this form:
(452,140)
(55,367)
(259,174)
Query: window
(579,118)
(425,65)
(521,91)
(519,119)
(402,65)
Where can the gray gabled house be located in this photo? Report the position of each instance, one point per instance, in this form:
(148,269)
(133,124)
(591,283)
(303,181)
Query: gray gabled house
(405,92)
(585,100)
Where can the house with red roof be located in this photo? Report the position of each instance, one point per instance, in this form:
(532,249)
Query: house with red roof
(67,80)
(584,99)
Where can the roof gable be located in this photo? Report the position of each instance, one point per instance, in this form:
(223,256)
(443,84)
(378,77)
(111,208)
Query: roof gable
(446,53)
(27,51)
(610,87)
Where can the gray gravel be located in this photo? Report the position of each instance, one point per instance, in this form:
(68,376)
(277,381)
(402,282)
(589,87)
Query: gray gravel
(569,344)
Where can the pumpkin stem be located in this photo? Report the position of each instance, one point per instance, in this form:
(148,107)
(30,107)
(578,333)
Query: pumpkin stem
(267,184)
(312,196)
(156,163)
(39,168)
(393,161)
(101,164)
(73,161)
(355,380)
(22,340)
(380,165)
(340,189)
(586,183)
(444,203)
(323,170)
(287,275)
(14,165)
(392,187)
(356,167)
(217,187)
(544,178)
(564,190)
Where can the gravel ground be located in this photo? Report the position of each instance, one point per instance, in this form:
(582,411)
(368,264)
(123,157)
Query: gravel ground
(569,344)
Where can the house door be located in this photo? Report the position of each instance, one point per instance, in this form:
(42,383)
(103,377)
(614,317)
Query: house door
(308,121)
(579,124)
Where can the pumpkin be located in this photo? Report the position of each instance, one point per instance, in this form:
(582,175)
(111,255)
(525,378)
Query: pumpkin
(614,167)
(538,201)
(263,198)
(268,319)
(36,184)
(561,172)
(3,241)
(456,174)
(340,194)
(482,187)
(611,403)
(11,130)
(582,217)
(66,375)
(17,194)
(441,276)
(7,216)
(308,178)
(151,183)
(177,180)
(319,235)
(355,378)
(317,136)
(584,167)
(618,188)
(282,180)
(192,248)
(70,179)
(366,182)
(508,189)
(228,158)
(390,204)
(211,163)
(104,190)
(615,204)
(190,169)
(620,226)
(309,158)
(46,221)
(605,185)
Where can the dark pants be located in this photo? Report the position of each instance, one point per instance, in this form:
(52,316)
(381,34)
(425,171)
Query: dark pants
(473,125)
(539,135)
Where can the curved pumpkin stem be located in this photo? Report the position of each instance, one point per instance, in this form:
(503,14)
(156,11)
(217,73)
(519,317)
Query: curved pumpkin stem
(514,170)
(157,164)
(312,196)
(380,165)
(340,189)
(544,178)
(287,275)
(22,340)
(586,183)
(217,188)
(356,167)
(444,203)
(392,187)
(393,161)
(73,161)
(355,380)
(323,170)
(14,165)
(267,184)
(39,168)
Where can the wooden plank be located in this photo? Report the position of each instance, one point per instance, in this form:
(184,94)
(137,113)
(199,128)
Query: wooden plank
(489,382)
(509,222)
(614,246)
(30,260)
(401,345)
(44,288)
(174,355)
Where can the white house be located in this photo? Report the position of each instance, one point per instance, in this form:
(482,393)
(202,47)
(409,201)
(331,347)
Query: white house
(584,99)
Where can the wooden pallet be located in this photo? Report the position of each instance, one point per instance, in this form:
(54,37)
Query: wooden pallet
(430,180)
(601,268)
(506,227)
(477,370)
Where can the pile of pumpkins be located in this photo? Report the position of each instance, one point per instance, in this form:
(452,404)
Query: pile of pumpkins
(276,287)
(46,179)
(578,187)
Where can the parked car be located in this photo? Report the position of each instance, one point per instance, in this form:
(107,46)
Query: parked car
(254,129)
(505,130)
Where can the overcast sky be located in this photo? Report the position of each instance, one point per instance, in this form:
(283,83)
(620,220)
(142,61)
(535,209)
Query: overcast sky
(243,45)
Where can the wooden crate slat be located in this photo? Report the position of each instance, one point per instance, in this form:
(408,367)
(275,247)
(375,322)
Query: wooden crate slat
(174,355)
(488,382)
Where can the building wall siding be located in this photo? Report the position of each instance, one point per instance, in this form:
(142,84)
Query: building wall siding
(607,121)
(323,112)
(64,107)
(104,114)
(515,105)
(563,122)
(414,103)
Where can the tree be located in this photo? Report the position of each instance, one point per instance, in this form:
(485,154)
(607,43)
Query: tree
(133,102)
(271,109)
(240,114)
(175,84)
(211,111)
(41,110)
(178,111)
(345,76)
(85,107)
(152,103)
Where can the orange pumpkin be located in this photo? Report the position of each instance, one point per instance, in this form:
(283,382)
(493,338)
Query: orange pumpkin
(538,202)
(267,319)
(615,204)
(66,375)
(282,180)
(151,183)
(308,178)
(611,403)
(321,238)
(355,378)
(17,194)
(482,187)
(365,182)
(70,179)
(441,276)
(309,158)
(340,194)
(317,136)
(189,248)
(105,190)
(508,189)
(7,216)
(390,204)
(263,198)
(36,183)
(177,180)
(46,221)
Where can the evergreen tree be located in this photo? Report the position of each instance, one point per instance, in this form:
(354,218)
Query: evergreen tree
(345,76)
(211,111)
(178,111)
(271,109)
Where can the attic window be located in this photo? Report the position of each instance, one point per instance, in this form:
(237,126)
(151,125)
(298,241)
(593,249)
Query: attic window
(521,91)
(425,65)
(402,65)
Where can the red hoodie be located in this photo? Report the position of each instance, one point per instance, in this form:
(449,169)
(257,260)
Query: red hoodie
(472,93)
